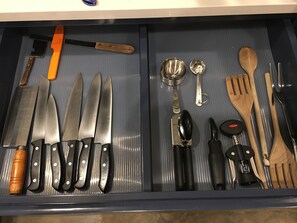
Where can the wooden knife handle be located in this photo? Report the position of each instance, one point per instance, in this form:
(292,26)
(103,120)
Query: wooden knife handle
(27,72)
(18,171)
(115,47)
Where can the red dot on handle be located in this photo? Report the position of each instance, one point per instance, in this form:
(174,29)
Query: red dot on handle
(233,126)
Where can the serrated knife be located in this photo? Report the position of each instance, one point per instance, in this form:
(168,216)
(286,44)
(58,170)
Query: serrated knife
(70,130)
(87,131)
(103,136)
(37,140)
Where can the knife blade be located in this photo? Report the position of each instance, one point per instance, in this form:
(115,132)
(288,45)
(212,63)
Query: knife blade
(52,137)
(87,131)
(19,120)
(103,136)
(70,130)
(37,140)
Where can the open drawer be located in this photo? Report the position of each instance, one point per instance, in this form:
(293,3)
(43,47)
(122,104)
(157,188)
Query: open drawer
(143,172)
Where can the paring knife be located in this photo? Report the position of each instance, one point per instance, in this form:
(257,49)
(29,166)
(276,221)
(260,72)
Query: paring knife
(103,136)
(70,130)
(37,140)
(87,131)
(52,137)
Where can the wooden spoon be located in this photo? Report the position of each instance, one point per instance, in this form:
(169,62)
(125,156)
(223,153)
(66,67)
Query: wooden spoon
(248,61)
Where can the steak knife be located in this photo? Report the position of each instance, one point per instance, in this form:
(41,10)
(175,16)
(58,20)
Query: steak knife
(87,131)
(70,130)
(103,136)
(52,137)
(37,140)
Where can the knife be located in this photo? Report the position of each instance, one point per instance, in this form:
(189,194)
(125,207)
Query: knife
(37,140)
(52,137)
(103,136)
(70,130)
(17,128)
(87,131)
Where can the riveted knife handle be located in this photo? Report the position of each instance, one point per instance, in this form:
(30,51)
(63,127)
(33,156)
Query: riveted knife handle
(105,168)
(84,165)
(188,167)
(178,168)
(37,166)
(27,72)
(71,165)
(18,171)
(58,166)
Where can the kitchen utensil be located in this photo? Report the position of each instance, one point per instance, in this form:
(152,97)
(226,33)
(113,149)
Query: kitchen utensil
(52,137)
(198,68)
(280,96)
(283,168)
(37,161)
(113,47)
(248,61)
(239,92)
(39,48)
(70,130)
(90,2)
(16,132)
(240,157)
(57,44)
(216,158)
(87,131)
(103,136)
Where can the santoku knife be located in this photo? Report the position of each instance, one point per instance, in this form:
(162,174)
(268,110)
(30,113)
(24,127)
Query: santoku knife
(103,136)
(87,131)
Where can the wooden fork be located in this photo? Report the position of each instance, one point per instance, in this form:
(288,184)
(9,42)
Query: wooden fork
(239,91)
(283,168)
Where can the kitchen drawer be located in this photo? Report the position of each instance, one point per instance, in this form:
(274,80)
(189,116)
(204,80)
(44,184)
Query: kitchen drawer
(143,177)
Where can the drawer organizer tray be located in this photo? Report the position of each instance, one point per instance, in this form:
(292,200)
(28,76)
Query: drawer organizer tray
(143,177)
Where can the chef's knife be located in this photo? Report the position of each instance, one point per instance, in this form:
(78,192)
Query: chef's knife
(103,136)
(37,140)
(87,131)
(17,128)
(52,137)
(70,130)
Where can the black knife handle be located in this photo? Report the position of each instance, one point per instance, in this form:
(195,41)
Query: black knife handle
(188,168)
(37,166)
(178,168)
(58,166)
(71,165)
(84,165)
(217,164)
(105,168)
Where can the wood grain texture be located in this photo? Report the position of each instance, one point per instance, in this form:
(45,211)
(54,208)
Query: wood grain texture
(114,47)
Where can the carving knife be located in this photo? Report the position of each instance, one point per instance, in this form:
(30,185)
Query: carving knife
(103,136)
(52,137)
(37,140)
(17,128)
(87,131)
(70,130)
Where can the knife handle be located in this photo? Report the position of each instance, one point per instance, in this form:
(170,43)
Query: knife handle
(18,171)
(178,168)
(54,64)
(84,165)
(27,72)
(188,167)
(71,165)
(37,166)
(57,165)
(115,47)
(105,168)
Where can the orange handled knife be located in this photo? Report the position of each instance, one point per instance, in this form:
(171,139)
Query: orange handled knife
(57,44)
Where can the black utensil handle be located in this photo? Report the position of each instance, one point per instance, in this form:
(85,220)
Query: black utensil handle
(178,168)
(71,165)
(58,166)
(188,168)
(105,167)
(84,164)
(217,165)
(37,166)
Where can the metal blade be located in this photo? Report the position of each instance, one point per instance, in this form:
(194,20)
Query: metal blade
(73,110)
(40,111)
(104,122)
(52,122)
(89,117)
